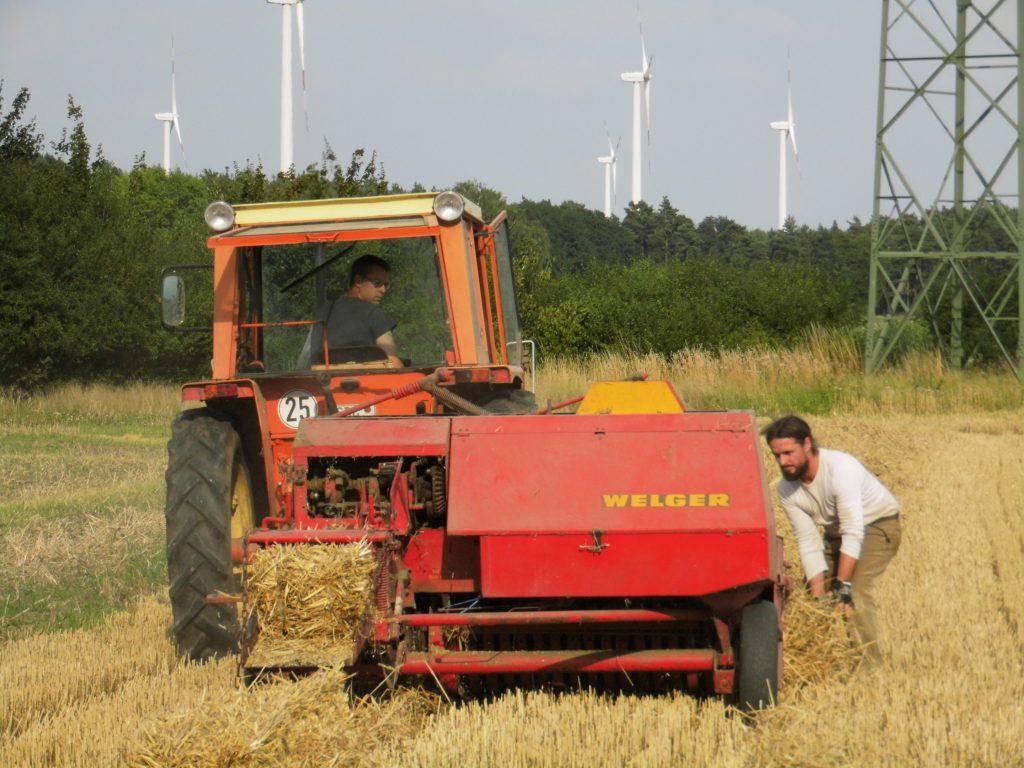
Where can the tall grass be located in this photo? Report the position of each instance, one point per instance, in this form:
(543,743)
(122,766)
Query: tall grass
(822,375)
(81,493)
(73,404)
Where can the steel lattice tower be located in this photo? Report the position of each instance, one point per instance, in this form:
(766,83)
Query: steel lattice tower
(947,239)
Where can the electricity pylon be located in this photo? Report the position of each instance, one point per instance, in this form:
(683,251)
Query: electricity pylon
(947,237)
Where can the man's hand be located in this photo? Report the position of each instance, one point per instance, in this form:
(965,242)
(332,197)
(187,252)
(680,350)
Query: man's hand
(843,593)
(817,585)
(387,343)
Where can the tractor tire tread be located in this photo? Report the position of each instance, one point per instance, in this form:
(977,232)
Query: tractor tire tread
(201,452)
(757,683)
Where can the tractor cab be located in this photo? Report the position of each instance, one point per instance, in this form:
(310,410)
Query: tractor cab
(281,272)
(280,269)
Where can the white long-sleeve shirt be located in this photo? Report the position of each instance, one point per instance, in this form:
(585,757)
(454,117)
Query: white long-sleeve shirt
(843,497)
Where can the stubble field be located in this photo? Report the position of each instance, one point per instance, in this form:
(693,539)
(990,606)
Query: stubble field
(88,677)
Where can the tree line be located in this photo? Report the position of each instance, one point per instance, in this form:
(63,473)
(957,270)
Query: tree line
(83,242)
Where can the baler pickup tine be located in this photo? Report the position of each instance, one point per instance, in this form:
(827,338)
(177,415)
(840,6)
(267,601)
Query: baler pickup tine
(222,598)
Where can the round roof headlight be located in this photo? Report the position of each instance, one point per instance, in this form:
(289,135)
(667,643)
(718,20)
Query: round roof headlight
(449,206)
(220,216)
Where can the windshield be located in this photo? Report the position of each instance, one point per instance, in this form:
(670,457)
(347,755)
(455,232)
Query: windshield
(510,312)
(302,294)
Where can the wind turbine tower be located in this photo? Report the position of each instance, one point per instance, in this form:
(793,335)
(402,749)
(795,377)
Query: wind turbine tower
(169,119)
(638,79)
(609,162)
(787,131)
(287,138)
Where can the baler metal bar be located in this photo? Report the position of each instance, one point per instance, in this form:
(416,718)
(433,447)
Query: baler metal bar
(509,618)
(525,662)
(317,536)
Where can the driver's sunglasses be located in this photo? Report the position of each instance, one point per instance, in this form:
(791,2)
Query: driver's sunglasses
(380,283)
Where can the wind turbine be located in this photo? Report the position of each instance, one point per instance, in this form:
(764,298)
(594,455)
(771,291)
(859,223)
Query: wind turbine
(287,140)
(786,129)
(169,119)
(643,77)
(611,182)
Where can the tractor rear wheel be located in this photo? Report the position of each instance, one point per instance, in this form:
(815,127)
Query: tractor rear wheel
(757,665)
(209,503)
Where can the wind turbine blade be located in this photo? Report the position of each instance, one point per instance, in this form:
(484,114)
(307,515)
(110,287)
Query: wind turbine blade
(615,179)
(174,103)
(792,141)
(643,51)
(181,144)
(791,130)
(302,58)
(174,94)
(789,98)
(647,104)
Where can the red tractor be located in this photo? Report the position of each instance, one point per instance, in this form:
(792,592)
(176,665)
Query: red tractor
(628,545)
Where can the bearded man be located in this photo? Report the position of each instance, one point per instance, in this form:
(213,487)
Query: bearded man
(846,523)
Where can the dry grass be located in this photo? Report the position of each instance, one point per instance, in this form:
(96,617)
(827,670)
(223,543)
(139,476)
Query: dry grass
(68,404)
(309,603)
(824,375)
(543,730)
(76,698)
(284,724)
(40,470)
(81,524)
(52,551)
(949,692)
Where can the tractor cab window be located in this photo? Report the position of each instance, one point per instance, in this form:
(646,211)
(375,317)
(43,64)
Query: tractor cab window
(506,281)
(298,295)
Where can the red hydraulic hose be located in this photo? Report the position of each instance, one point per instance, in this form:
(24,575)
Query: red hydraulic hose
(420,385)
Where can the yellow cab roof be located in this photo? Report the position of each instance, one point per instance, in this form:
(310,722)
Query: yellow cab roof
(344,209)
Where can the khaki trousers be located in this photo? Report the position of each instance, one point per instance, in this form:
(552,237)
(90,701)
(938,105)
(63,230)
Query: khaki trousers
(881,542)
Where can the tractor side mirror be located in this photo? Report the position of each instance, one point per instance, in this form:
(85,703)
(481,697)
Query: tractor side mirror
(172,298)
(172,301)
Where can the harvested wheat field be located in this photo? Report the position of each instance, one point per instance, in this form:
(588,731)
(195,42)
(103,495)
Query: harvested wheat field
(951,691)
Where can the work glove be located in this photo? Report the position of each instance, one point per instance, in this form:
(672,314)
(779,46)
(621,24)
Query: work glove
(842,592)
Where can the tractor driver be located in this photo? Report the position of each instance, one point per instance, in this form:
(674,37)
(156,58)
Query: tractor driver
(355,321)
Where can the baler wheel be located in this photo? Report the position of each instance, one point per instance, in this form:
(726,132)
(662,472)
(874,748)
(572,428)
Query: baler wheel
(757,664)
(206,506)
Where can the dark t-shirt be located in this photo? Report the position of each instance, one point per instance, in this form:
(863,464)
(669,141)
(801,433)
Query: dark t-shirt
(350,322)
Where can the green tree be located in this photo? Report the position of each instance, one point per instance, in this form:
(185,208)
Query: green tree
(641,222)
(19,139)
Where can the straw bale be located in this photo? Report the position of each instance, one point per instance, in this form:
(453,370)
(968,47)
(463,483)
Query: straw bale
(818,643)
(314,721)
(309,603)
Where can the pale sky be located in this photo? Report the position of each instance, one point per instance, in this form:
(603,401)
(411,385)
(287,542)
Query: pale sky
(513,94)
